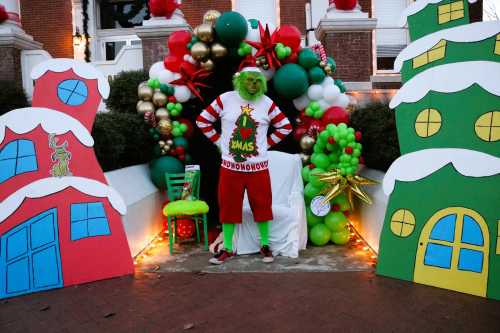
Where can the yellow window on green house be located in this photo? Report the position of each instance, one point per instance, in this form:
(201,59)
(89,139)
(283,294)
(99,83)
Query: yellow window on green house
(437,52)
(428,123)
(497,45)
(498,238)
(402,223)
(450,12)
(488,126)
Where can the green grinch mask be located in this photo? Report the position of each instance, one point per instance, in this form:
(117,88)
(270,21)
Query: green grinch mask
(250,85)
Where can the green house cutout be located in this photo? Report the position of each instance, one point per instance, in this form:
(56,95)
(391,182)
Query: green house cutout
(427,16)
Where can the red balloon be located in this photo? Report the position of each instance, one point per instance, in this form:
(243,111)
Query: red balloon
(172,63)
(162,7)
(316,126)
(177,43)
(188,67)
(189,131)
(335,115)
(299,132)
(288,35)
(345,4)
(292,58)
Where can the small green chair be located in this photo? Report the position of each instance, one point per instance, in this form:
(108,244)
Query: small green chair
(176,208)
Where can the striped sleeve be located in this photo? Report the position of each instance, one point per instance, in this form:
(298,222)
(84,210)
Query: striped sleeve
(281,124)
(207,117)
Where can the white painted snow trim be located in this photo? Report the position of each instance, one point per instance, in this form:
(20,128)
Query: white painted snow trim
(450,78)
(24,120)
(467,33)
(80,68)
(47,186)
(420,164)
(417,6)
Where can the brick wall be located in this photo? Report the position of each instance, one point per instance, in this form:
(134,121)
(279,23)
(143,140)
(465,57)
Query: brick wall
(194,9)
(352,53)
(293,12)
(10,66)
(50,23)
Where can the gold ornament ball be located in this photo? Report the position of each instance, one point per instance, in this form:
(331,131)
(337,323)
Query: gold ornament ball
(162,113)
(305,158)
(200,51)
(328,68)
(322,63)
(161,143)
(159,99)
(208,65)
(218,50)
(144,107)
(170,142)
(307,142)
(145,93)
(205,32)
(211,16)
(165,127)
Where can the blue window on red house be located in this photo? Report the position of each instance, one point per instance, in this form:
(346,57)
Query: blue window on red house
(88,220)
(17,157)
(72,92)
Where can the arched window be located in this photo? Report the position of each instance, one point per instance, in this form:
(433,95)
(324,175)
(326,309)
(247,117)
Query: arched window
(428,123)
(488,126)
(17,157)
(72,92)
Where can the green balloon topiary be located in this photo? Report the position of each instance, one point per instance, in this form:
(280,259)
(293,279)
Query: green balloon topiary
(231,28)
(308,58)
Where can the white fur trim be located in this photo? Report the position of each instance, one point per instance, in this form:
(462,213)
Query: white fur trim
(47,186)
(417,6)
(80,68)
(468,33)
(24,120)
(250,69)
(450,78)
(420,164)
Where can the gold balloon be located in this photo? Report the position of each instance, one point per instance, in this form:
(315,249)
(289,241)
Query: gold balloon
(200,51)
(145,92)
(145,107)
(170,142)
(205,32)
(159,99)
(161,143)
(165,127)
(307,142)
(208,65)
(162,113)
(218,50)
(211,16)
(305,158)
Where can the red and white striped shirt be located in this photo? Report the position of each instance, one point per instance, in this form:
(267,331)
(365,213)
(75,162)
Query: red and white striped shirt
(239,151)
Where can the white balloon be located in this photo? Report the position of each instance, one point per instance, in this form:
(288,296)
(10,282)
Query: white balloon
(301,102)
(165,76)
(330,93)
(156,69)
(182,93)
(342,101)
(315,92)
(268,74)
(328,81)
(324,104)
(176,76)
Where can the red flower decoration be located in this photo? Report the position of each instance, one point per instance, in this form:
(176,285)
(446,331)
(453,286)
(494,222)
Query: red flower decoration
(266,47)
(193,80)
(3,14)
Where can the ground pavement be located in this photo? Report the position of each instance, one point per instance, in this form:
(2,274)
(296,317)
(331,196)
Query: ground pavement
(331,289)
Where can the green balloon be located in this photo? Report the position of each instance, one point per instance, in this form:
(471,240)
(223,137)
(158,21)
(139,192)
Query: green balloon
(318,114)
(342,201)
(312,219)
(314,179)
(164,88)
(170,106)
(178,107)
(340,85)
(320,160)
(332,64)
(176,132)
(290,81)
(316,75)
(310,191)
(335,221)
(306,171)
(162,165)
(307,58)
(231,28)
(309,112)
(324,135)
(181,142)
(341,237)
(320,235)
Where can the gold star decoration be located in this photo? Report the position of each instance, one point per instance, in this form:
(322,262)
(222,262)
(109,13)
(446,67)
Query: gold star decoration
(246,109)
(335,184)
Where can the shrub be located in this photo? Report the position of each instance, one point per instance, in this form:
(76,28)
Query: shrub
(123,94)
(121,140)
(377,123)
(12,97)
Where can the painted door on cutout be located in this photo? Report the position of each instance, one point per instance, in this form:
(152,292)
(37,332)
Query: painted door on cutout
(453,251)
(29,256)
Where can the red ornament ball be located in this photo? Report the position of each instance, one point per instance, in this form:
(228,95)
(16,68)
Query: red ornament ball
(358,135)
(331,140)
(335,115)
(172,99)
(345,4)
(335,207)
(348,150)
(289,35)
(185,228)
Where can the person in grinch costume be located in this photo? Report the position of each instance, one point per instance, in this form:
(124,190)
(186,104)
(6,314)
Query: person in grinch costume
(245,115)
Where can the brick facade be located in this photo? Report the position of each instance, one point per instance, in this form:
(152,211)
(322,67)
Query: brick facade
(194,9)
(293,12)
(352,52)
(50,23)
(10,66)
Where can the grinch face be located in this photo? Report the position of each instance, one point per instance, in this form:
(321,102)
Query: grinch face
(250,85)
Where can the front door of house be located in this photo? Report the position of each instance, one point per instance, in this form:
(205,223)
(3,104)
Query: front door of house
(453,251)
(29,256)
